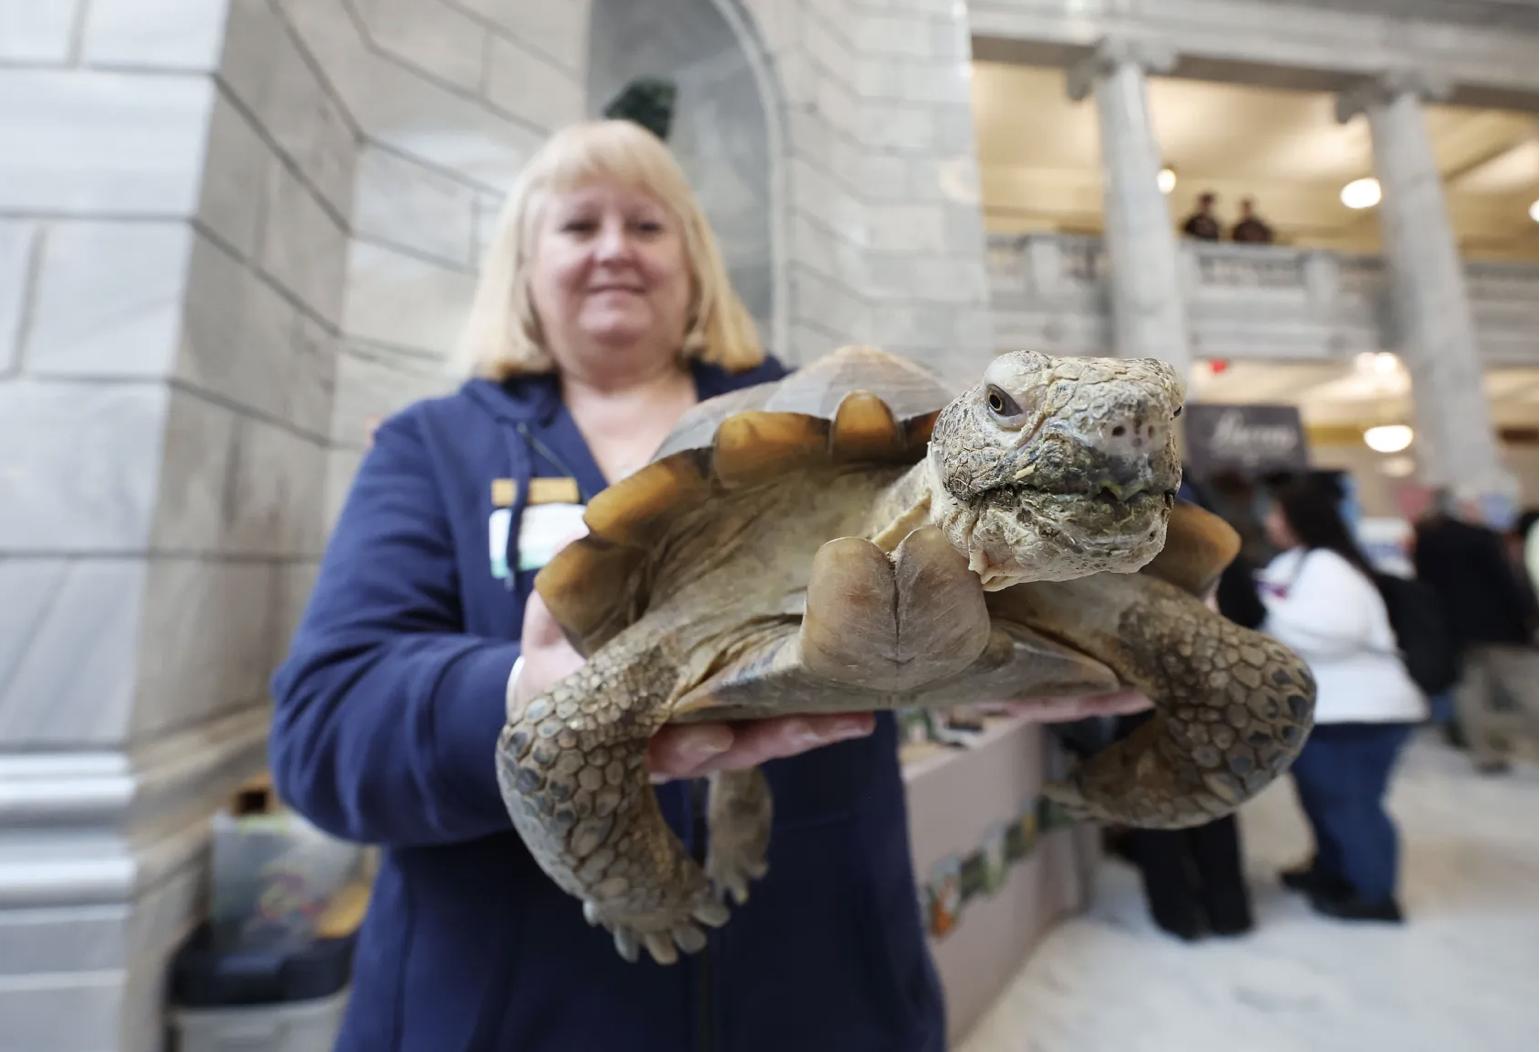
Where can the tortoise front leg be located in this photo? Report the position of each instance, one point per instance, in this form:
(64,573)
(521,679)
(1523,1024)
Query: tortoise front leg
(572,768)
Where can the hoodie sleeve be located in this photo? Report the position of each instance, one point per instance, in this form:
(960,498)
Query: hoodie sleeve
(387,713)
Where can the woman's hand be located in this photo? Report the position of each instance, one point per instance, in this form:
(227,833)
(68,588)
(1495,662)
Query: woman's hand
(681,750)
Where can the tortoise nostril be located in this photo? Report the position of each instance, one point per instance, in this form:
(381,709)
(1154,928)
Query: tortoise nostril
(1117,432)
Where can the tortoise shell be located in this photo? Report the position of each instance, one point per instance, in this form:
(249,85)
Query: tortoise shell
(856,405)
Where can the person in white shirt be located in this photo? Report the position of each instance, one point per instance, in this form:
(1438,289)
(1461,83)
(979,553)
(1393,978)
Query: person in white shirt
(1322,602)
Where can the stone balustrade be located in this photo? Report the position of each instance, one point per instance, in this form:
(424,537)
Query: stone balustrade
(1244,301)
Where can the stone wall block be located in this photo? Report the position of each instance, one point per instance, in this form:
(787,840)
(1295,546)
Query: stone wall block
(160,34)
(906,37)
(303,248)
(896,126)
(217,617)
(17,238)
(235,484)
(915,229)
(91,142)
(373,384)
(69,634)
(238,334)
(557,31)
(235,177)
(430,35)
(196,474)
(311,377)
(403,202)
(532,87)
(108,300)
(37,32)
(404,301)
(78,465)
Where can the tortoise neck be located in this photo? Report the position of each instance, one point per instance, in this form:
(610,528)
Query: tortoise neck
(901,508)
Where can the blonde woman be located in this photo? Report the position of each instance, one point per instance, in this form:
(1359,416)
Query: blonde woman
(602,314)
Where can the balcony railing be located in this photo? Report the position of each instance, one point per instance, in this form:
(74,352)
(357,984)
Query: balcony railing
(1244,301)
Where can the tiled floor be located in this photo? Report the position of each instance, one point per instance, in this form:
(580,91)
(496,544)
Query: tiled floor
(1461,974)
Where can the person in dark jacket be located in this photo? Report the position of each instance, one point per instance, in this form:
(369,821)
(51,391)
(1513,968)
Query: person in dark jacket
(1492,612)
(1194,881)
(1250,227)
(602,313)
(1203,224)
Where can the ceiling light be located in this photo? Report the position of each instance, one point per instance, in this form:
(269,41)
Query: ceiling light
(1388,438)
(1361,193)
(1166,180)
(1385,362)
(1534,211)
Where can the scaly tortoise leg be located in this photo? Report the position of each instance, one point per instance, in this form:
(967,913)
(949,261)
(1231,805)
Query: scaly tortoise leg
(1233,707)
(572,768)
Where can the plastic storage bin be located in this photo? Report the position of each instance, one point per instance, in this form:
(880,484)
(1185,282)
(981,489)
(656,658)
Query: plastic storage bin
(270,999)
(301,1026)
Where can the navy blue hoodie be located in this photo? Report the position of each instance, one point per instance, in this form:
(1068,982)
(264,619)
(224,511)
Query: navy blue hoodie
(388,711)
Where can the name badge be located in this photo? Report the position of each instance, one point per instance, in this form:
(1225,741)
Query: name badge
(545,530)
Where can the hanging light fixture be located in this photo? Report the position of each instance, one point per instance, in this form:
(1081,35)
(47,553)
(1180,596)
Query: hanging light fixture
(1388,438)
(1166,180)
(1361,193)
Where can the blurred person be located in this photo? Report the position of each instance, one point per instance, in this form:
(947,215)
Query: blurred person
(1251,228)
(1518,540)
(1321,601)
(1203,224)
(1492,612)
(601,315)
(1193,878)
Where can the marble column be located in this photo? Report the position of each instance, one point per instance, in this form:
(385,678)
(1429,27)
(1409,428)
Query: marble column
(1148,308)
(1456,444)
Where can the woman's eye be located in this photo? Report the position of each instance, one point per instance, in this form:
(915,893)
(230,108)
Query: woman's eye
(579,226)
(1002,404)
(650,227)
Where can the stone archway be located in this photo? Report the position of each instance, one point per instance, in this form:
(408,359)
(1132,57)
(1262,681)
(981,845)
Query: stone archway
(724,130)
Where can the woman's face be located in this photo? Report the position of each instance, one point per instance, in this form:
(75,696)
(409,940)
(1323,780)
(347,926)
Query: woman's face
(1277,526)
(609,274)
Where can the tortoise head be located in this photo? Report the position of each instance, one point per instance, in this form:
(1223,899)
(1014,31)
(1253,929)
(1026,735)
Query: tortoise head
(1053,468)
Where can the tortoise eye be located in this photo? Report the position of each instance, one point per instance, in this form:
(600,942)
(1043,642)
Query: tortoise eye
(1002,404)
(1177,413)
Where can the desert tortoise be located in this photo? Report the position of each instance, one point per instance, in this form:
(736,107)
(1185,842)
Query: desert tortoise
(838,541)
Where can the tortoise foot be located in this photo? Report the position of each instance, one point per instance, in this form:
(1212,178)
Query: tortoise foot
(892,622)
(738,820)
(664,929)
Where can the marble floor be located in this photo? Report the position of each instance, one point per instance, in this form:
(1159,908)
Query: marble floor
(1461,974)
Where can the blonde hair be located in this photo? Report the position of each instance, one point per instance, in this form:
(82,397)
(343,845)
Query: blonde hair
(502,336)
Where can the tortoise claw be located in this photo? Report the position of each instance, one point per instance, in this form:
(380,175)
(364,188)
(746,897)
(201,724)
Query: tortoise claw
(690,938)
(625,944)
(711,914)
(661,946)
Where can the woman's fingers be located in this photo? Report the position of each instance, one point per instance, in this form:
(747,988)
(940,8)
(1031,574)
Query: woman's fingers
(1081,706)
(692,750)
(547,654)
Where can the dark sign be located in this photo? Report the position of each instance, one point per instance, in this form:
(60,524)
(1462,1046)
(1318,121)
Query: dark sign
(1253,439)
